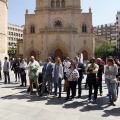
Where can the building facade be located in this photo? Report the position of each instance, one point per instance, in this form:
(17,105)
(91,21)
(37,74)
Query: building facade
(58,28)
(118,29)
(107,32)
(15,33)
(3,28)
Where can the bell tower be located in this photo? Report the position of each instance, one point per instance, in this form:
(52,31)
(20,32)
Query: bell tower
(58,4)
(3,28)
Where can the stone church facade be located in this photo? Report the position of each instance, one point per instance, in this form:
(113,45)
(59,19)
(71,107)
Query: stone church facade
(3,28)
(58,28)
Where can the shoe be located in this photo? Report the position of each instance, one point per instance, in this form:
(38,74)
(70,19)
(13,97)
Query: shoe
(71,98)
(109,102)
(101,94)
(107,94)
(94,101)
(37,94)
(59,96)
(21,85)
(88,100)
(113,104)
(79,96)
(16,81)
(66,98)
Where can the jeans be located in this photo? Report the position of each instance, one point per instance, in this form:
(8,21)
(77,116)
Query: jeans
(111,89)
(7,76)
(58,85)
(49,80)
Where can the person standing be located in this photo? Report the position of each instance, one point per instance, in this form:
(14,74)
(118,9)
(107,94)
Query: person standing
(72,76)
(111,70)
(99,74)
(6,68)
(0,70)
(16,69)
(47,76)
(57,76)
(91,71)
(23,71)
(66,65)
(81,69)
(33,67)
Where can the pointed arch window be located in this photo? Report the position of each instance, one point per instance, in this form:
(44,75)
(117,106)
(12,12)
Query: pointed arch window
(57,3)
(32,29)
(63,3)
(52,3)
(84,28)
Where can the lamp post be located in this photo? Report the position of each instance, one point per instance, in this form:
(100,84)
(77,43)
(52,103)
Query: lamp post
(38,54)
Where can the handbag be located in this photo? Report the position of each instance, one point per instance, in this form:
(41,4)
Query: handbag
(66,84)
(113,80)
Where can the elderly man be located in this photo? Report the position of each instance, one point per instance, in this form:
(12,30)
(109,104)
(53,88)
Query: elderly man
(33,77)
(47,75)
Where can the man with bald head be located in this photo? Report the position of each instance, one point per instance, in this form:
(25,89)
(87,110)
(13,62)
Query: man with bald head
(33,77)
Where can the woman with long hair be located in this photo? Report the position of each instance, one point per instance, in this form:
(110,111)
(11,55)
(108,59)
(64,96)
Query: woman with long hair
(57,76)
(111,70)
(72,76)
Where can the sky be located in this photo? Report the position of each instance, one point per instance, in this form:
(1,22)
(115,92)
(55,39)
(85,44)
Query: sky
(104,11)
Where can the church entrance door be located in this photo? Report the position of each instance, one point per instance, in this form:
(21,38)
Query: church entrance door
(85,55)
(32,53)
(58,53)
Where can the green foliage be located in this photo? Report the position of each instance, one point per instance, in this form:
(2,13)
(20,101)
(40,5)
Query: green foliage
(12,52)
(106,48)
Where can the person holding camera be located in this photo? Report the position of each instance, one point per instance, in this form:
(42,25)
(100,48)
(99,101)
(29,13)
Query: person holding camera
(91,71)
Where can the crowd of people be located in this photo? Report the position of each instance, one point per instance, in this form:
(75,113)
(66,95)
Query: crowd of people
(72,71)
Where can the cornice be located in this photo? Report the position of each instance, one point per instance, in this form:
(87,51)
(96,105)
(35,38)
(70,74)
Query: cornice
(5,1)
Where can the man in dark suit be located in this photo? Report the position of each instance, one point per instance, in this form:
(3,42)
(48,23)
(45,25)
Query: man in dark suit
(81,69)
(47,75)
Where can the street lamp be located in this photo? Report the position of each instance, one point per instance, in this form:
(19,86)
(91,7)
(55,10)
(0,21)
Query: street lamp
(38,54)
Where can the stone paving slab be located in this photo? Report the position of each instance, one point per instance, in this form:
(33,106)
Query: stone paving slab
(17,104)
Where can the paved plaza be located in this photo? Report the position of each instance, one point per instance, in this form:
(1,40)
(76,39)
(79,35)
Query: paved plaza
(17,104)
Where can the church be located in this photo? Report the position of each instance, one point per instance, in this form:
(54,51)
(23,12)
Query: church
(58,28)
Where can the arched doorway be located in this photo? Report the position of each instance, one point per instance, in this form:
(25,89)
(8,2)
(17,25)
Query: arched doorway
(85,55)
(58,53)
(32,53)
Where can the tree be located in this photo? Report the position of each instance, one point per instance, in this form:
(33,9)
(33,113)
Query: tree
(12,52)
(105,49)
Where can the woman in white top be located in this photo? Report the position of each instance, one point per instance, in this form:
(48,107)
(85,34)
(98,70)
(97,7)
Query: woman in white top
(57,76)
(111,70)
(72,76)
